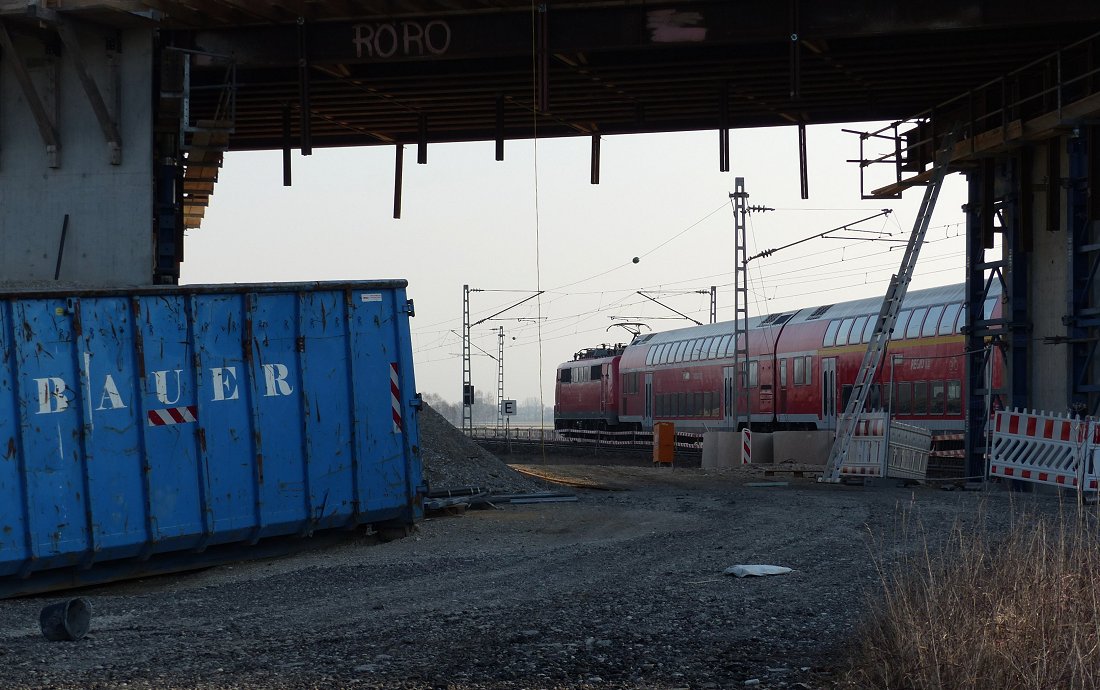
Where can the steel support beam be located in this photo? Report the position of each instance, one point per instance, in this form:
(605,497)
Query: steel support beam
(47,126)
(1001,345)
(1083,248)
(107,122)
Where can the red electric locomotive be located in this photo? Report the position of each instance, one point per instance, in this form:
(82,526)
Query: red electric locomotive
(800,369)
(585,395)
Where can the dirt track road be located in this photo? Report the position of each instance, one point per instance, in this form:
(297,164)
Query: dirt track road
(622,589)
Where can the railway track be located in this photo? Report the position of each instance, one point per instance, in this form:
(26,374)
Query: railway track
(581,441)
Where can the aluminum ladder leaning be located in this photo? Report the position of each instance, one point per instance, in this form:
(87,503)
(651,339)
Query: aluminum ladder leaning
(888,315)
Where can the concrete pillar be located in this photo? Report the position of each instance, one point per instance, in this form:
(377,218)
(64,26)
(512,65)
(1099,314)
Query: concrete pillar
(109,240)
(1049,271)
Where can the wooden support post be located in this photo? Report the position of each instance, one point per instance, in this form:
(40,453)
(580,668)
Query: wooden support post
(500,127)
(286,145)
(803,172)
(399,165)
(422,140)
(724,128)
(595,159)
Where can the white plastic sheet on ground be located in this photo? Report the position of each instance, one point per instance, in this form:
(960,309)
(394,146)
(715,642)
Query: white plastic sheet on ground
(755,570)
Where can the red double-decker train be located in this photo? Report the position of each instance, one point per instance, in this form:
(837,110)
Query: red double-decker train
(800,370)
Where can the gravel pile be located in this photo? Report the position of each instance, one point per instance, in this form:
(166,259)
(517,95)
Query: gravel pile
(452,460)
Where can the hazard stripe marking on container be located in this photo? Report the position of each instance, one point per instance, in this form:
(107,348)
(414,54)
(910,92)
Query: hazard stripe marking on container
(395,398)
(174,415)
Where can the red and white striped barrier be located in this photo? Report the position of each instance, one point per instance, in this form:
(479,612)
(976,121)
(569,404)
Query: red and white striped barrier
(174,415)
(1045,448)
(866,456)
(746,447)
(395,397)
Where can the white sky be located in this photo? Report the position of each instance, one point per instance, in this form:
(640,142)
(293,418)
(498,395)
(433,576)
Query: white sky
(468,219)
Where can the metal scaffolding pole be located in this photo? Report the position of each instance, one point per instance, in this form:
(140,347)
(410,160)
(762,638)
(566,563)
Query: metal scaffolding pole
(467,384)
(500,378)
(740,306)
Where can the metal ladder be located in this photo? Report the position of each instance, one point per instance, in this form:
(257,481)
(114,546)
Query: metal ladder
(887,316)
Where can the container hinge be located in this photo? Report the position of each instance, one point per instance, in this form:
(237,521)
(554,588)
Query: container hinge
(409,308)
(417,403)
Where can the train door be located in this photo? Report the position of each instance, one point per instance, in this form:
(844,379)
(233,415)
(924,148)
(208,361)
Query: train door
(647,416)
(828,392)
(727,395)
(604,383)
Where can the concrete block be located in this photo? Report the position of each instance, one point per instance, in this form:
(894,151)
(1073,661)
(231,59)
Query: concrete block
(722,449)
(763,449)
(719,449)
(804,447)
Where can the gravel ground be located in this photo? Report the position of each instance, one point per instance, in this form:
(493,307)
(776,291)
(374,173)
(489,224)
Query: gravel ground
(621,589)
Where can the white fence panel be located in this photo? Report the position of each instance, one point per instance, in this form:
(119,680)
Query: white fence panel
(907,456)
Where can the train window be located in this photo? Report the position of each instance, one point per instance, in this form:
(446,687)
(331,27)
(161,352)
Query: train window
(830,334)
(961,323)
(682,404)
(697,406)
(677,352)
(723,346)
(799,370)
(783,373)
(630,383)
(869,329)
(809,370)
(932,322)
(903,398)
(989,304)
(954,397)
(597,372)
(667,355)
(710,349)
(899,326)
(566,375)
(913,329)
(683,351)
(947,323)
(842,334)
(650,355)
(938,397)
(754,374)
(920,397)
(845,395)
(697,349)
(874,398)
(857,330)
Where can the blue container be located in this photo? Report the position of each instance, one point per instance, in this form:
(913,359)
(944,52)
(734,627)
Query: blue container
(159,429)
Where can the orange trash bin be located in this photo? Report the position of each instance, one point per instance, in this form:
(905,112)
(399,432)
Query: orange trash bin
(664,442)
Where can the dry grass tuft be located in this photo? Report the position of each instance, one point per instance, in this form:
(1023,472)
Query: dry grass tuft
(988,610)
